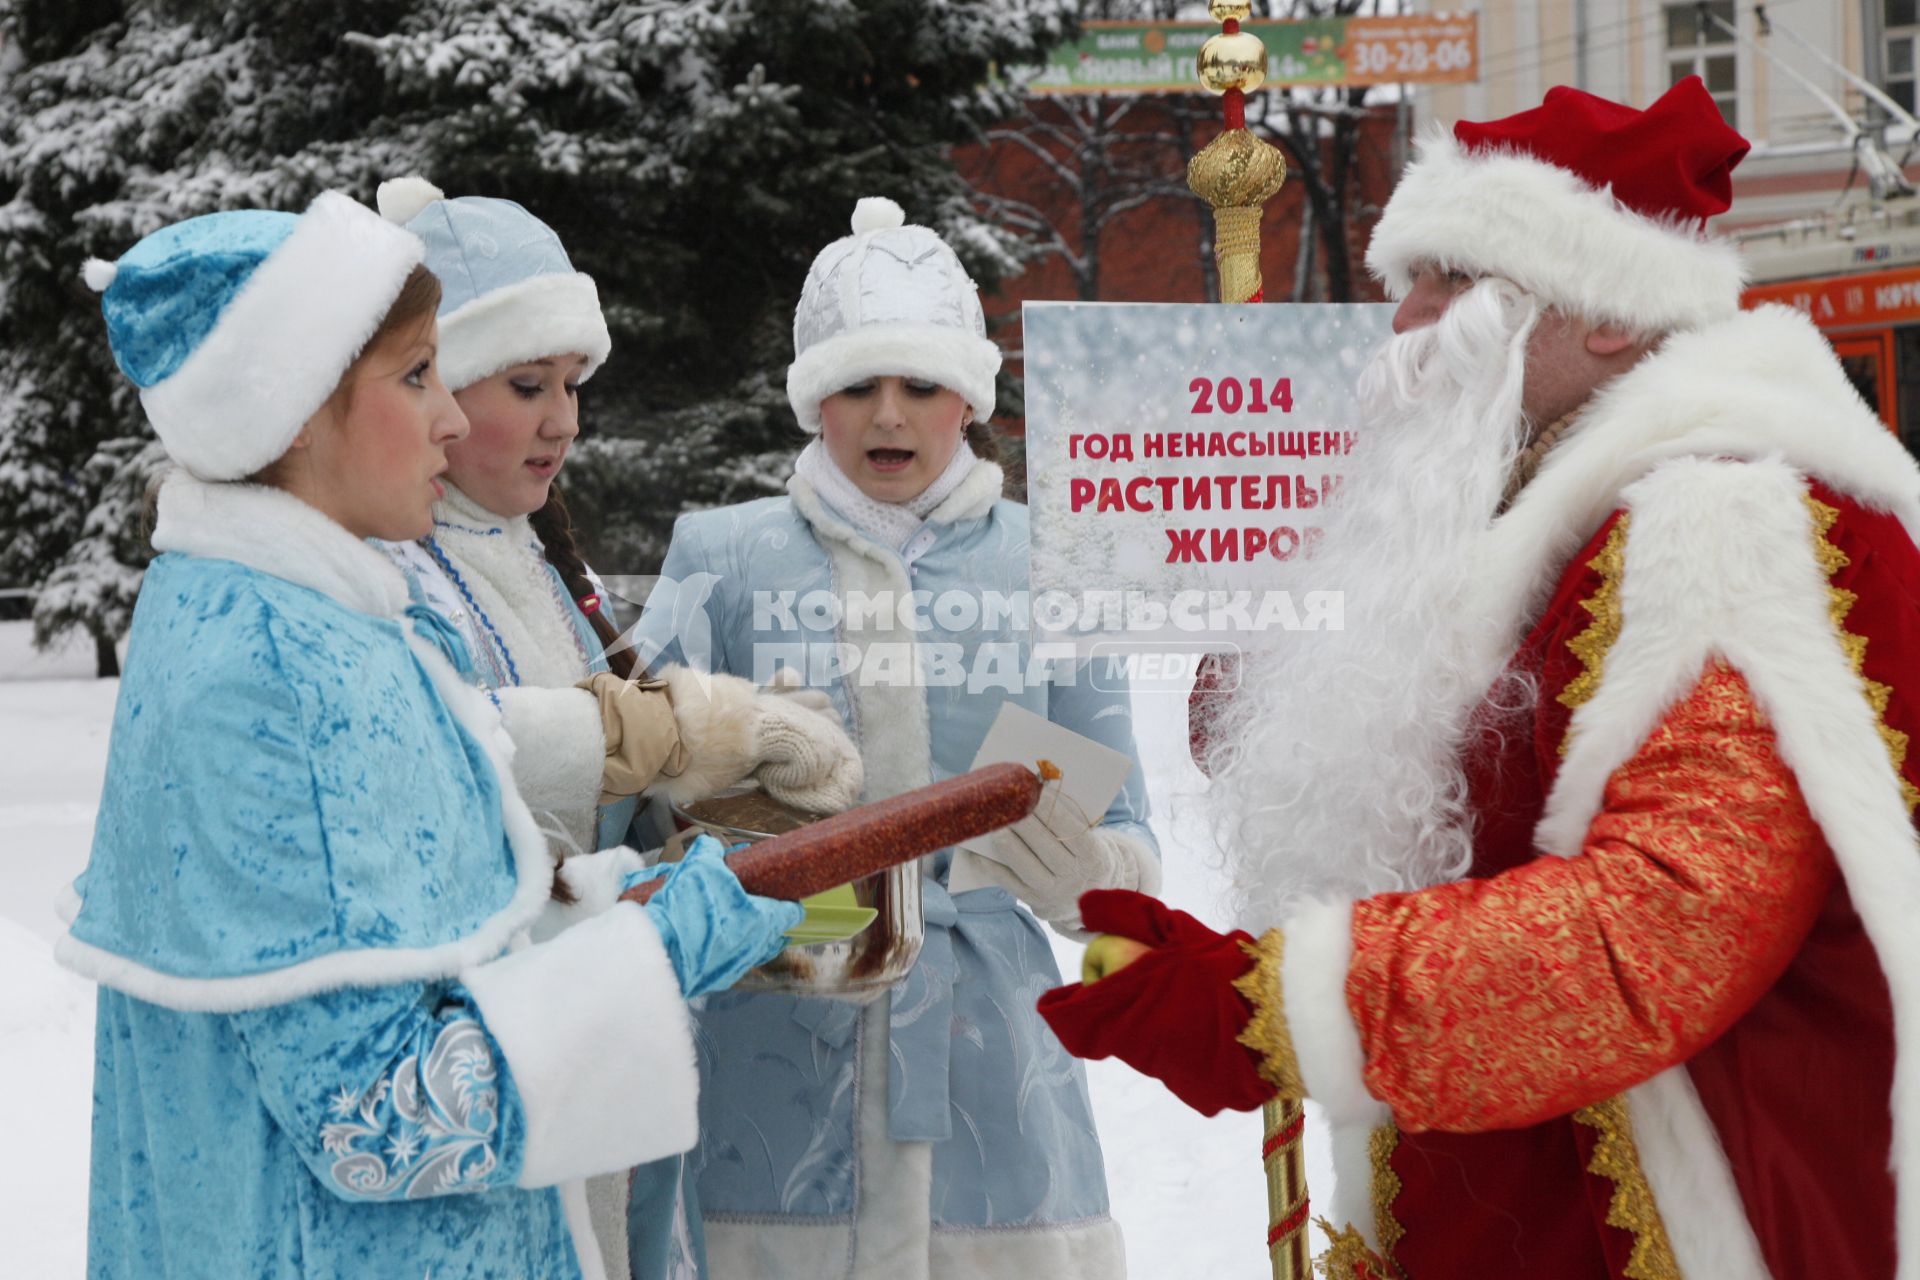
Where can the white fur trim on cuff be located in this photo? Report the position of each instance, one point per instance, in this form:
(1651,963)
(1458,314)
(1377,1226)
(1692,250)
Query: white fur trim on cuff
(718,716)
(1313,982)
(957,361)
(539,317)
(1576,248)
(559,747)
(600,1046)
(280,346)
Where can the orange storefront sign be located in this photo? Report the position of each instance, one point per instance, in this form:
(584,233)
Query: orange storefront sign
(1848,302)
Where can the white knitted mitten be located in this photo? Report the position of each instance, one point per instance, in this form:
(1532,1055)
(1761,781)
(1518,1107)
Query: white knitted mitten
(806,758)
(732,729)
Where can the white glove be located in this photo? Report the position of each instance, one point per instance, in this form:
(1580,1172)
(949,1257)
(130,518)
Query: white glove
(1052,856)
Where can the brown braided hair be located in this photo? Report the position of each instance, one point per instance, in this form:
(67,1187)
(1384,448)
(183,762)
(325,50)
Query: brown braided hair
(553,525)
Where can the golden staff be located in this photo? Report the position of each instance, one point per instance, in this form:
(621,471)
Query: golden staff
(1237,174)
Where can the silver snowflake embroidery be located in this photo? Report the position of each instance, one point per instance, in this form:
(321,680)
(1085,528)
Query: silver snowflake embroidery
(425,1130)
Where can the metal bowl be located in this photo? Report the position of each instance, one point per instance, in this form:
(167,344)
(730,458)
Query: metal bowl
(858,968)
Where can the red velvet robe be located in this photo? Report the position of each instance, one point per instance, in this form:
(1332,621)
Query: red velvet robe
(1664,1007)
(1797,1087)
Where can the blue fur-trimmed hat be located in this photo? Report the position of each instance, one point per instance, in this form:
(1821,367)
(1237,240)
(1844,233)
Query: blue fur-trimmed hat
(510,292)
(237,326)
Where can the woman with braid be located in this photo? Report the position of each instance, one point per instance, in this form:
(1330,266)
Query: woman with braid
(520,330)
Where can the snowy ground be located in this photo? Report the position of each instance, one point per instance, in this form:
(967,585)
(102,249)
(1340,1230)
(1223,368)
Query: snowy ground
(1188,1191)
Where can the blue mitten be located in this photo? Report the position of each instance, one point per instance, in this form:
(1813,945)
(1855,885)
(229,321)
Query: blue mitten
(713,929)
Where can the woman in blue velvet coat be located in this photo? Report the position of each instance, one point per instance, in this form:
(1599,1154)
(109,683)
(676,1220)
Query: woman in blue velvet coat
(520,330)
(941,1132)
(327,1044)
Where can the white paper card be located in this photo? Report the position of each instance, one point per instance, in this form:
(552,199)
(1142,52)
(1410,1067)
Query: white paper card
(1091,774)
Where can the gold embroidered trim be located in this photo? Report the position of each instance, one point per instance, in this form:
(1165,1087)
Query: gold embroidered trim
(1386,1189)
(1617,1157)
(1840,602)
(1591,645)
(1266,1032)
(1348,1257)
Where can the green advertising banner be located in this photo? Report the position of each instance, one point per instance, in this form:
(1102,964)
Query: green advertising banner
(1158,57)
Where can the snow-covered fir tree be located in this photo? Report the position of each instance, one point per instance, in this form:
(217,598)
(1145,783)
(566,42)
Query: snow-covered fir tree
(692,154)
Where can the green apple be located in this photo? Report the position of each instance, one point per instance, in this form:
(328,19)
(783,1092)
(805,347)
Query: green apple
(1109,953)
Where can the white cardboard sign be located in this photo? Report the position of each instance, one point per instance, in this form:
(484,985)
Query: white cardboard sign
(1179,458)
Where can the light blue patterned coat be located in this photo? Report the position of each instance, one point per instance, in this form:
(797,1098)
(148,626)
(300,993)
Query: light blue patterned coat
(488,576)
(314,1057)
(976,1154)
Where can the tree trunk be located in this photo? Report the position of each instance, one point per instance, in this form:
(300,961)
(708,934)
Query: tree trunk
(1337,242)
(106,659)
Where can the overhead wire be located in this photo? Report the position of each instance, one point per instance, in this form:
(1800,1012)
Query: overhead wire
(1655,25)
(1657,22)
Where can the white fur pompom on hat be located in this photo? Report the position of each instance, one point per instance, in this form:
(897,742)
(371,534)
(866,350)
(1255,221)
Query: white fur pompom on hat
(877,213)
(99,274)
(401,199)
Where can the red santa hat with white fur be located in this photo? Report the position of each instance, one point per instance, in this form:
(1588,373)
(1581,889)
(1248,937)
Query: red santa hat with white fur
(1595,208)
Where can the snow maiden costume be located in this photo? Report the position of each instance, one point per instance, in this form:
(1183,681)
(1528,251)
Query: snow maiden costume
(940,1131)
(1655,1032)
(314,1056)
(511,295)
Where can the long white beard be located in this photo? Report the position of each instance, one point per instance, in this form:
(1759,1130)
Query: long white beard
(1337,765)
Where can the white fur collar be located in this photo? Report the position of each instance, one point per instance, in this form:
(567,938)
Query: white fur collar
(504,568)
(890,721)
(893,524)
(271,530)
(972,500)
(1762,384)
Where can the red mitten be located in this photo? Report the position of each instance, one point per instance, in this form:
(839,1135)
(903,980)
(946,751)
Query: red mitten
(1173,1013)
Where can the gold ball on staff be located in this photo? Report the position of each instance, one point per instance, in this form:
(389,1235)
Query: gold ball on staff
(1237,61)
(1237,10)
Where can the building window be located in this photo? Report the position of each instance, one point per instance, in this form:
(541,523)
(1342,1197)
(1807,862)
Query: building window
(1696,47)
(1902,31)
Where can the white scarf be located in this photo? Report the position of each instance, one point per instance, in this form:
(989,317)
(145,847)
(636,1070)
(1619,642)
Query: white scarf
(503,568)
(891,524)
